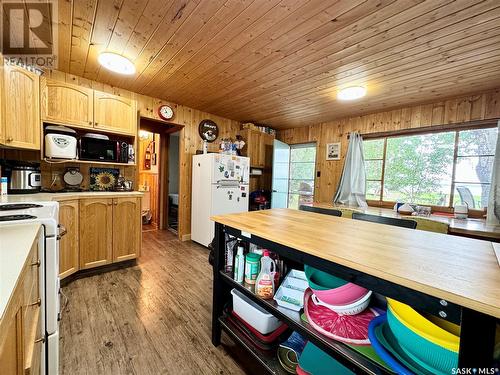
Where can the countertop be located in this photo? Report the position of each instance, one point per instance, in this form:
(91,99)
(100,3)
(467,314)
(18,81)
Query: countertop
(472,227)
(39,197)
(16,241)
(458,269)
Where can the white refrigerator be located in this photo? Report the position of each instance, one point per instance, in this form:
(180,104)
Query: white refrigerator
(220,186)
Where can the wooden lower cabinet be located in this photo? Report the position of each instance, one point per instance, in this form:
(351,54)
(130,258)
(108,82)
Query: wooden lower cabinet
(96,232)
(127,229)
(110,230)
(20,327)
(69,250)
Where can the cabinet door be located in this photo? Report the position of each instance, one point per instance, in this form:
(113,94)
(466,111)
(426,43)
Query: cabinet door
(114,113)
(256,150)
(11,350)
(96,225)
(126,228)
(67,104)
(68,245)
(21,117)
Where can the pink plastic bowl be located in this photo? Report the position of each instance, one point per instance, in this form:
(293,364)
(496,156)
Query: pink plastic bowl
(343,295)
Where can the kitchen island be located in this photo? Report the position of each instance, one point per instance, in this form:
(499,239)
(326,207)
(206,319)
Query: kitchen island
(455,278)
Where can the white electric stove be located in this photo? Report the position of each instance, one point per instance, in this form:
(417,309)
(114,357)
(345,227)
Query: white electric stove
(45,213)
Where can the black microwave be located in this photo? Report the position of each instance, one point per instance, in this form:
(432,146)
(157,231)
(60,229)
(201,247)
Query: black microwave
(98,149)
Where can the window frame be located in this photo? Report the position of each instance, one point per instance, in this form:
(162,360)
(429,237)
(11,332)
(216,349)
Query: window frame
(456,128)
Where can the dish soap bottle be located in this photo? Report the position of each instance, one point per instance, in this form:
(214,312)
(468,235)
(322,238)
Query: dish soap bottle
(264,285)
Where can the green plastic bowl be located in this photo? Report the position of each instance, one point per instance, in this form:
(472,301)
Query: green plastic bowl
(320,280)
(419,349)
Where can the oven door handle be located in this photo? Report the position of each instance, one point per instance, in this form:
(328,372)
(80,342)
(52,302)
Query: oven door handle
(62,231)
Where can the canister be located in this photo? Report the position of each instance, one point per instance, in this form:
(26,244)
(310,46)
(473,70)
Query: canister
(252,267)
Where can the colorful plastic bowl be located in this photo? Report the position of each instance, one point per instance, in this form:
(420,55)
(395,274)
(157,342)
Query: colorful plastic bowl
(344,295)
(333,290)
(416,344)
(351,309)
(435,330)
(320,280)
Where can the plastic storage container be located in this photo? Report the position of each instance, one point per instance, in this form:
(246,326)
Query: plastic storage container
(291,292)
(253,314)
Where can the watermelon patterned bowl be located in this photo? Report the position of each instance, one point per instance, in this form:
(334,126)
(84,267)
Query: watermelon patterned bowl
(333,290)
(350,329)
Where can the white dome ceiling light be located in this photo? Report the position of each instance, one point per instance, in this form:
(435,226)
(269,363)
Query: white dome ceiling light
(116,63)
(351,93)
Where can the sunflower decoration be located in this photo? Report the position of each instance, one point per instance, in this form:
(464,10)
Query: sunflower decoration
(103,178)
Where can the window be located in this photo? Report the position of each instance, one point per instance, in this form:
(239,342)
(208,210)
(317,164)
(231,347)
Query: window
(301,180)
(437,169)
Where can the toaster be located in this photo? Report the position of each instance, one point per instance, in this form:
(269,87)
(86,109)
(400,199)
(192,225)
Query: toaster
(60,146)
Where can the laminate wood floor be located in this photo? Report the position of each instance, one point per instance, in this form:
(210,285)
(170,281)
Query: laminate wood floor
(152,318)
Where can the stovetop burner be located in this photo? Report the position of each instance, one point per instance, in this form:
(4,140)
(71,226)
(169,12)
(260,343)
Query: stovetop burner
(16,217)
(18,206)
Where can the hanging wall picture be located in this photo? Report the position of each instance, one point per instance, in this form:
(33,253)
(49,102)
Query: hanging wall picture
(208,130)
(333,151)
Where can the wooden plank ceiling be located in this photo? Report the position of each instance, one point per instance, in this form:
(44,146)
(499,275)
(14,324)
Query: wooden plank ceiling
(282,62)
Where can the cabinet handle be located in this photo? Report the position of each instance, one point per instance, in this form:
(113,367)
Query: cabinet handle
(96,123)
(37,263)
(37,303)
(41,339)
(115,203)
(9,139)
(63,231)
(90,122)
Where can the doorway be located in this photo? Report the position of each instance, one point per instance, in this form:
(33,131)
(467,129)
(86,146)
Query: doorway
(149,178)
(173,182)
(158,174)
(294,168)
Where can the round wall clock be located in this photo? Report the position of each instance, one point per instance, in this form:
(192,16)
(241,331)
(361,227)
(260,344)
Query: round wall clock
(165,112)
(208,130)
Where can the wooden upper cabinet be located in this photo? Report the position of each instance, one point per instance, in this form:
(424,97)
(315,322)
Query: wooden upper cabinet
(69,244)
(256,147)
(126,228)
(21,108)
(115,113)
(67,104)
(96,232)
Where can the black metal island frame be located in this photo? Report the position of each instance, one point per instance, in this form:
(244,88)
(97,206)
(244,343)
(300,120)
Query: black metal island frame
(454,278)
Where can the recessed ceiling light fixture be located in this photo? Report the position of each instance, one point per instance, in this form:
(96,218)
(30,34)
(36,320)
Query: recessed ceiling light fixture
(351,93)
(116,63)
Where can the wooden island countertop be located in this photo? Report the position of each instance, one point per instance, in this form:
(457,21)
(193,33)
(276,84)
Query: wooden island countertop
(458,269)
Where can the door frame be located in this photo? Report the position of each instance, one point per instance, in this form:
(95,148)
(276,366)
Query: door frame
(164,129)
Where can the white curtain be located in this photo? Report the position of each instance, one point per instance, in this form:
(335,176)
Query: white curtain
(352,185)
(493,216)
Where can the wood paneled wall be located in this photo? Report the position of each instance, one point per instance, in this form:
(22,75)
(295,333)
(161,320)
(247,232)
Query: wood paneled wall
(480,106)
